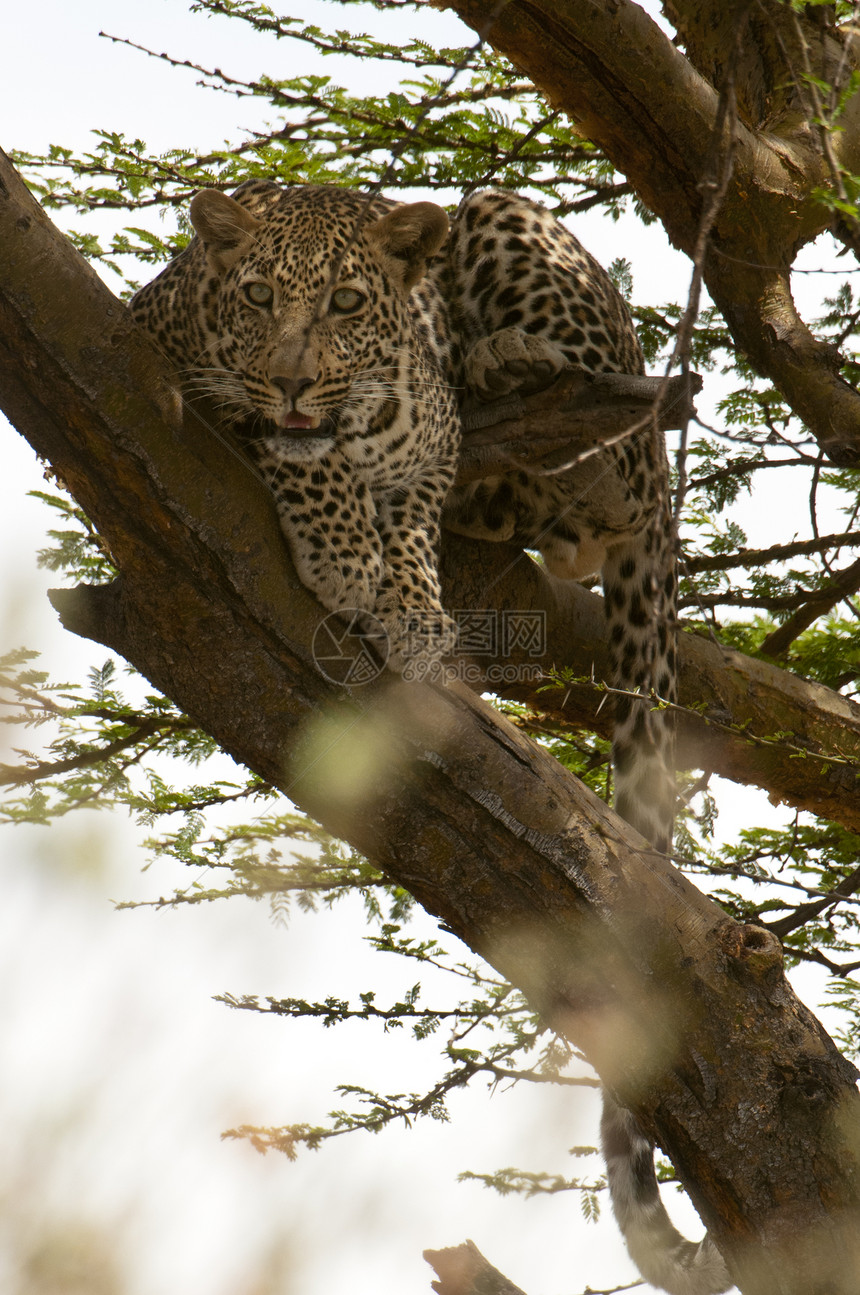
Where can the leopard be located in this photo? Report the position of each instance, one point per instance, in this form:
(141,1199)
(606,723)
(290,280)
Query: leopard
(293,311)
(339,334)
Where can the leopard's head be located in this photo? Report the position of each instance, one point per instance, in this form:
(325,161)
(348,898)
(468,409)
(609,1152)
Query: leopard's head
(314,332)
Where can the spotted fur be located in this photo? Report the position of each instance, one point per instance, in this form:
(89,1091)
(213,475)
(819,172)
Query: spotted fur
(337,334)
(514,272)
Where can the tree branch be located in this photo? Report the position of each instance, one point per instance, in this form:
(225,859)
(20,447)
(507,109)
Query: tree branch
(762,557)
(463,1270)
(805,912)
(578,414)
(843,585)
(616,950)
(22,774)
(742,718)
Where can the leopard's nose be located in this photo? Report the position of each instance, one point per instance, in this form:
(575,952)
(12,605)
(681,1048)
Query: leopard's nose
(292,387)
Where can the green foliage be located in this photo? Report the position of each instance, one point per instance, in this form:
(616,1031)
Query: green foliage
(78,550)
(98,742)
(509,1181)
(460,118)
(621,274)
(492,1031)
(844,995)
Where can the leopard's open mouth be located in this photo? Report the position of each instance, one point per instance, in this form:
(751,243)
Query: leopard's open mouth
(298,428)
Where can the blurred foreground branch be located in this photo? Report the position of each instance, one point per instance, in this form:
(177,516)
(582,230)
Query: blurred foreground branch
(463,1270)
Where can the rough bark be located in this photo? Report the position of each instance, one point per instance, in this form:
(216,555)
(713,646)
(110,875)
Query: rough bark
(654,112)
(684,1013)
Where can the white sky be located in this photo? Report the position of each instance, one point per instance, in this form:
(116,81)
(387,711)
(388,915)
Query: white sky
(119,1072)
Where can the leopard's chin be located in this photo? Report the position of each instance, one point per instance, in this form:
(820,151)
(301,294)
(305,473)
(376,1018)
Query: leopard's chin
(302,444)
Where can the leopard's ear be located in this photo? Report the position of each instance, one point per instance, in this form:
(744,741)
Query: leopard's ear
(225,228)
(409,236)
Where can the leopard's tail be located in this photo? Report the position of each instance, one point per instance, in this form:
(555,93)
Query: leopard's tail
(640,601)
(664,1258)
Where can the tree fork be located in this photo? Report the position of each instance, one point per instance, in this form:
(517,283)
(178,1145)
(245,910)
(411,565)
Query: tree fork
(686,1015)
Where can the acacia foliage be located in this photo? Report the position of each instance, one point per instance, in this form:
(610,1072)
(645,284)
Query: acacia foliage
(445,120)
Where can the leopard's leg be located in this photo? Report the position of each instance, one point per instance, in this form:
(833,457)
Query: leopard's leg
(329,522)
(508,360)
(409,600)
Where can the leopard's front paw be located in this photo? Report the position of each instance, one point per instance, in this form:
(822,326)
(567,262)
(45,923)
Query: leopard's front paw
(342,583)
(418,639)
(512,360)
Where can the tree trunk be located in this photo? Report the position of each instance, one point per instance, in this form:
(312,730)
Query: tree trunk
(685,1014)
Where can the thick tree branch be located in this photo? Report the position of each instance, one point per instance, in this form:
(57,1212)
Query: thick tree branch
(632,92)
(576,415)
(776,39)
(617,950)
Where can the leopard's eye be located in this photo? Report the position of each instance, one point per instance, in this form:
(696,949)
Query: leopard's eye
(347,300)
(259,294)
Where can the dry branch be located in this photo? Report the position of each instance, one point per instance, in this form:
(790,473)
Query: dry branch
(617,950)
(463,1270)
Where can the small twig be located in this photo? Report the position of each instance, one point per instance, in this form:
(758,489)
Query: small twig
(815,955)
(742,466)
(763,557)
(21,775)
(801,915)
(822,601)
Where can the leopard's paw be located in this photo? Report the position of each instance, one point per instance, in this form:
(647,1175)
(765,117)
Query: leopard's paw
(418,638)
(343,583)
(512,360)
